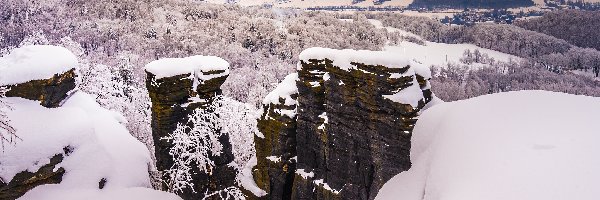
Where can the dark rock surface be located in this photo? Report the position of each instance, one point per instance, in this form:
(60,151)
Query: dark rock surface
(25,181)
(168,96)
(347,134)
(279,141)
(51,92)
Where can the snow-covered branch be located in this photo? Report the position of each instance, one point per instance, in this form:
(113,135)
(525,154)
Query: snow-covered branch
(195,142)
(7,132)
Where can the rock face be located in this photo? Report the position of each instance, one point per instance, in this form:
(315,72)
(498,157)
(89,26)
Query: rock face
(275,169)
(173,99)
(25,181)
(352,127)
(50,92)
(39,72)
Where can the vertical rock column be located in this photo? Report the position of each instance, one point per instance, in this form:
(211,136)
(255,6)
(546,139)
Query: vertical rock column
(276,159)
(356,112)
(311,136)
(178,86)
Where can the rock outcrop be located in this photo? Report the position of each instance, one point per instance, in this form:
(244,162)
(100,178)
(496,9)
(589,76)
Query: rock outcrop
(177,87)
(277,166)
(25,181)
(350,131)
(30,74)
(50,92)
(39,72)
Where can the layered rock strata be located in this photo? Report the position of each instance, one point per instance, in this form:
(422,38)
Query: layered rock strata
(353,119)
(277,139)
(178,86)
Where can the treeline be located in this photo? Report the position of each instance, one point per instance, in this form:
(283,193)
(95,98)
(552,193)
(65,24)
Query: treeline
(457,81)
(580,28)
(500,37)
(554,53)
(470,3)
(547,62)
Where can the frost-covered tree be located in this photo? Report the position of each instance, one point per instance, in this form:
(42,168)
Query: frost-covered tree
(576,26)
(230,193)
(117,88)
(36,38)
(195,142)
(457,81)
(7,132)
(193,145)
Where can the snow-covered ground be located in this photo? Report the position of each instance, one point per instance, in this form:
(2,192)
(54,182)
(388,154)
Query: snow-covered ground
(102,148)
(56,192)
(94,141)
(526,145)
(440,54)
(432,15)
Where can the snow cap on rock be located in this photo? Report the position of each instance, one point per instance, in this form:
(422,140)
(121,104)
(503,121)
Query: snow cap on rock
(343,58)
(35,62)
(169,67)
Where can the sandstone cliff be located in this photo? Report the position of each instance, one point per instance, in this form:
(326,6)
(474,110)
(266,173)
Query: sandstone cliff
(178,86)
(345,131)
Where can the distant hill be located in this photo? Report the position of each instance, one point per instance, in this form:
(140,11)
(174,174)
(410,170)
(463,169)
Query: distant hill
(577,27)
(472,3)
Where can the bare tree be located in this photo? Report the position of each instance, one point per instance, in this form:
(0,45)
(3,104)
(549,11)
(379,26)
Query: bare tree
(7,131)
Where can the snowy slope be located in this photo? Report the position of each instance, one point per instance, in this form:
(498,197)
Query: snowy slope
(438,54)
(530,145)
(101,148)
(56,192)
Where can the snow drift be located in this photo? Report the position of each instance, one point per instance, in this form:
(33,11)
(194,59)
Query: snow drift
(101,149)
(35,62)
(516,145)
(100,158)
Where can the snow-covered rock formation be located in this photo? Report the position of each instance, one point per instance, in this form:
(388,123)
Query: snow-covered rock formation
(276,142)
(81,150)
(517,145)
(177,87)
(343,129)
(39,72)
